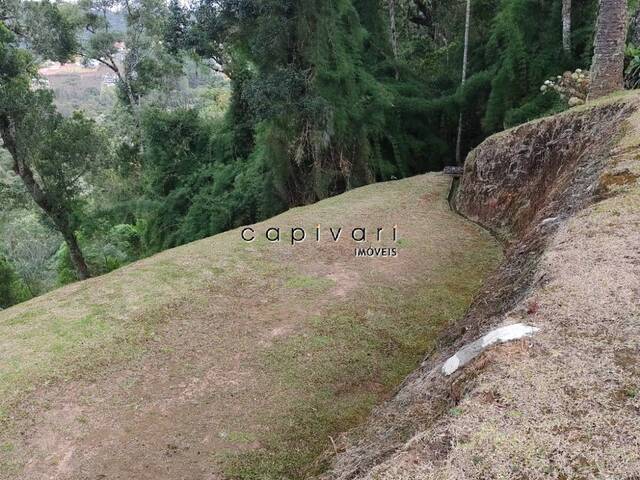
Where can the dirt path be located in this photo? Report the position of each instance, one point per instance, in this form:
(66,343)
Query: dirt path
(227,358)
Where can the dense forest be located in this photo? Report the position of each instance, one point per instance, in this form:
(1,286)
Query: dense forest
(226,112)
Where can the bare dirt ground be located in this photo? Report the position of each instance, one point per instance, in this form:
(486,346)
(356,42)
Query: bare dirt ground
(231,359)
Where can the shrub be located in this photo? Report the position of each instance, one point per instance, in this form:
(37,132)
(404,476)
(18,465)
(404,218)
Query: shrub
(12,290)
(572,87)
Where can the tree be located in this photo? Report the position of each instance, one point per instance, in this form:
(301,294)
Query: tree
(212,36)
(465,61)
(314,103)
(29,244)
(49,153)
(136,54)
(176,28)
(635,28)
(8,280)
(607,68)
(393,26)
(566,25)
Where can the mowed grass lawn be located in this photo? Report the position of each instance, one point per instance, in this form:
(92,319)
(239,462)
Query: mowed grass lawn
(225,357)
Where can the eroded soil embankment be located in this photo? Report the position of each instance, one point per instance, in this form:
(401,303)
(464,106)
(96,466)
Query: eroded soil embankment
(562,193)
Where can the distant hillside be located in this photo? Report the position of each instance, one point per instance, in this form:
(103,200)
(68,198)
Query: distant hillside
(79,88)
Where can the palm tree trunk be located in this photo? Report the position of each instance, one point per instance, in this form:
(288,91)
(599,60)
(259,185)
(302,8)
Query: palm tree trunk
(465,61)
(566,25)
(607,66)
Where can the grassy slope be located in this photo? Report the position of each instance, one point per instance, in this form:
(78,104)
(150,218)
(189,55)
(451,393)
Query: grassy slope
(222,356)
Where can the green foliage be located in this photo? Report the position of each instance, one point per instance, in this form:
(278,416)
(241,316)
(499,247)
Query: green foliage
(7,279)
(42,27)
(12,192)
(102,44)
(524,48)
(64,266)
(302,99)
(194,187)
(105,252)
(64,152)
(175,30)
(11,292)
(317,104)
(51,154)
(147,62)
(632,69)
(49,31)
(28,242)
(547,104)
(316,107)
(61,151)
(17,69)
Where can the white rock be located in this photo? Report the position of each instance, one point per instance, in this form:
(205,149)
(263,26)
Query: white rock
(472,350)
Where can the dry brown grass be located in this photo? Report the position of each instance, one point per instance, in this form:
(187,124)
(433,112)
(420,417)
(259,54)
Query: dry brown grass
(225,357)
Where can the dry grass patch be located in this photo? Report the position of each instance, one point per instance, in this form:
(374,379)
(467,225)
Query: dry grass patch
(228,357)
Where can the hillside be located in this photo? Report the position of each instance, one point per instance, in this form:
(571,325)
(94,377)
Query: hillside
(259,360)
(563,195)
(209,269)
(227,357)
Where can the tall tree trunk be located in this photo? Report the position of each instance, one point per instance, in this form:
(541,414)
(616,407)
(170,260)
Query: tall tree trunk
(394,34)
(59,217)
(635,28)
(465,61)
(607,67)
(566,25)
(74,251)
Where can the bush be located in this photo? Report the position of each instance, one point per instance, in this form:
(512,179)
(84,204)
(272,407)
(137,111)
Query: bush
(12,291)
(572,87)
(632,70)
(103,254)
